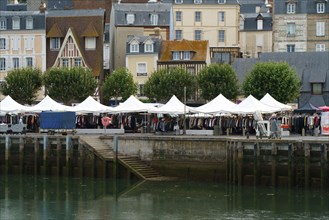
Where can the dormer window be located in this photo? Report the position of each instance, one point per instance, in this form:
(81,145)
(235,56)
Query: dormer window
(291,8)
(29,23)
(148,48)
(130,18)
(320,7)
(259,24)
(134,48)
(179,1)
(221,1)
(90,43)
(3,24)
(197,1)
(154,19)
(186,55)
(176,55)
(16,23)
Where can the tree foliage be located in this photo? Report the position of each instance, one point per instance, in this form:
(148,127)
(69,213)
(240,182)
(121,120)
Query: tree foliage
(23,84)
(63,84)
(276,78)
(163,84)
(218,79)
(120,83)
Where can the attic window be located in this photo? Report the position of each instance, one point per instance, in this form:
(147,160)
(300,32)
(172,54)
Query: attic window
(259,24)
(154,19)
(176,55)
(130,18)
(16,23)
(291,8)
(320,7)
(187,55)
(148,47)
(316,88)
(29,23)
(178,1)
(134,48)
(3,24)
(221,1)
(90,43)
(197,1)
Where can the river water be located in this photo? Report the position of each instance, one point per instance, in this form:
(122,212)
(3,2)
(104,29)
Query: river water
(29,197)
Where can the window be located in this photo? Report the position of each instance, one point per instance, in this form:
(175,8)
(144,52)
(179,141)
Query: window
(141,69)
(154,19)
(28,43)
(291,48)
(178,16)
(55,43)
(320,28)
(320,47)
(187,55)
(221,1)
(15,41)
(291,29)
(134,48)
(65,62)
(3,44)
(15,63)
(29,23)
(2,64)
(130,18)
(148,48)
(221,36)
(176,55)
(320,7)
(3,24)
(141,90)
(221,16)
(16,23)
(291,8)
(178,34)
(90,43)
(178,1)
(197,1)
(77,62)
(29,62)
(197,35)
(259,24)
(316,88)
(198,16)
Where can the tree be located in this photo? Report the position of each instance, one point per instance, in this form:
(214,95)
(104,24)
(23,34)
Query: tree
(23,84)
(120,83)
(276,78)
(63,84)
(163,84)
(218,78)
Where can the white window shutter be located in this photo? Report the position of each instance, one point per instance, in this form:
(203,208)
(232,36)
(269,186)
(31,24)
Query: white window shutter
(32,43)
(25,43)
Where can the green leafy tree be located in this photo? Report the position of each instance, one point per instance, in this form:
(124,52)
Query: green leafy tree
(278,79)
(63,84)
(120,83)
(23,84)
(163,84)
(218,78)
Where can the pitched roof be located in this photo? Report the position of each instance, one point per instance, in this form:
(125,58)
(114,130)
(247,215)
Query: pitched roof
(90,31)
(55,31)
(197,46)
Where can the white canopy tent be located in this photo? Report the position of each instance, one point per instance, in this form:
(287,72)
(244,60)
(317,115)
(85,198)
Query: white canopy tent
(132,104)
(269,100)
(217,105)
(9,105)
(251,105)
(48,104)
(173,106)
(90,105)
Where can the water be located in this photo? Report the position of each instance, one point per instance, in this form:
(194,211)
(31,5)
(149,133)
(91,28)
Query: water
(28,197)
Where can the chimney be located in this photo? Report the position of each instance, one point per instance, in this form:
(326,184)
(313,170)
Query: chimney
(157,32)
(42,7)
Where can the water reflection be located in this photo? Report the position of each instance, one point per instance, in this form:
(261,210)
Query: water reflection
(27,197)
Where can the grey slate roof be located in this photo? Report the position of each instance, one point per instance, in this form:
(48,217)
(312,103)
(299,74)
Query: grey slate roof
(59,4)
(249,6)
(311,67)
(38,19)
(250,22)
(75,13)
(142,13)
(141,39)
(302,6)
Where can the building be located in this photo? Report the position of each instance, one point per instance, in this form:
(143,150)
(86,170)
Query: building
(75,38)
(300,25)
(311,67)
(216,21)
(142,54)
(22,41)
(136,19)
(255,28)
